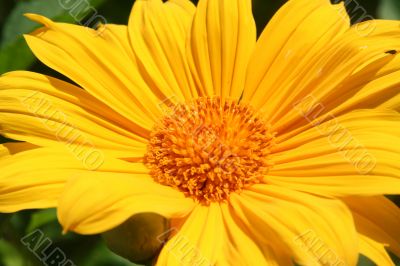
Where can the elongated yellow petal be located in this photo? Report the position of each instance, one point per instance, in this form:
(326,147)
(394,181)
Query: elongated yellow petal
(318,55)
(35,178)
(352,72)
(296,34)
(158,32)
(102,62)
(3,151)
(241,248)
(11,148)
(212,235)
(55,113)
(377,218)
(222,39)
(361,147)
(392,103)
(375,252)
(199,241)
(95,202)
(187,5)
(307,225)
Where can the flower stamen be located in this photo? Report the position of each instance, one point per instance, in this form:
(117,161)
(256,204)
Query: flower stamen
(208,149)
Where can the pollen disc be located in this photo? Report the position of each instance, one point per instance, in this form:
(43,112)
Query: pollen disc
(208,149)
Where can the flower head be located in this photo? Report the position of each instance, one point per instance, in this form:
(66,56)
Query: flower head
(268,151)
(208,149)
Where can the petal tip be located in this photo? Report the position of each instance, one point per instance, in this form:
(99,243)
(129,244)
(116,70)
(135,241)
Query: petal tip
(39,19)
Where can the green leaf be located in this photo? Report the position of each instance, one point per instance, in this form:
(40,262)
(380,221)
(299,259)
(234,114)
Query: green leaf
(5,9)
(364,261)
(9,255)
(15,56)
(389,9)
(14,53)
(41,218)
(102,256)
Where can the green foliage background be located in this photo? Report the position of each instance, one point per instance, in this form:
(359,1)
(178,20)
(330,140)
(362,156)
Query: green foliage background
(15,55)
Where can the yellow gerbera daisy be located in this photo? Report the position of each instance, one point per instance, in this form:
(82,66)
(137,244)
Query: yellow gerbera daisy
(260,152)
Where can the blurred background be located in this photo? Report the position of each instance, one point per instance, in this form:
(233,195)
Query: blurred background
(15,55)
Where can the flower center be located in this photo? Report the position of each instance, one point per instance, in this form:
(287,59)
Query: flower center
(208,149)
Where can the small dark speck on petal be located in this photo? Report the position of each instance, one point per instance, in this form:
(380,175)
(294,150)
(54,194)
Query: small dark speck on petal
(391,52)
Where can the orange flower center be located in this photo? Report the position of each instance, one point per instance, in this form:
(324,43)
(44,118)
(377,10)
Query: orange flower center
(208,149)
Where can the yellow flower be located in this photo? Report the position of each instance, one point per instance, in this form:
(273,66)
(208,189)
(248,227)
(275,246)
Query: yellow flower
(260,152)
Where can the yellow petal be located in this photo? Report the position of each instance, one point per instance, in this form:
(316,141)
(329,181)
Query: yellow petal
(222,39)
(187,5)
(241,249)
(98,201)
(365,93)
(102,62)
(158,32)
(293,38)
(377,218)
(11,148)
(353,71)
(354,154)
(199,241)
(212,235)
(306,225)
(55,113)
(309,50)
(375,251)
(3,151)
(35,178)
(392,103)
